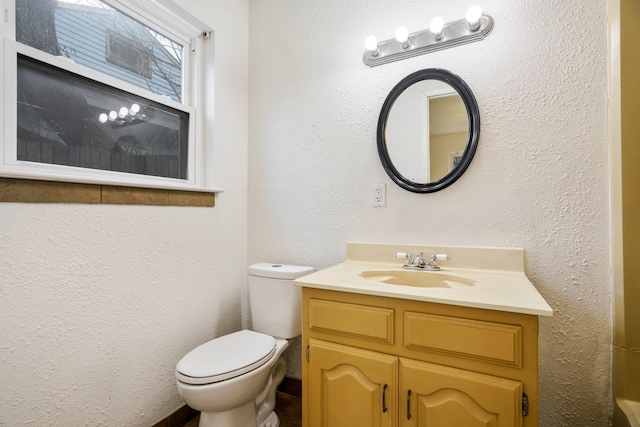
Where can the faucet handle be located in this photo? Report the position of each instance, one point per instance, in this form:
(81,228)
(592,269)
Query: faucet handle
(433,261)
(407,256)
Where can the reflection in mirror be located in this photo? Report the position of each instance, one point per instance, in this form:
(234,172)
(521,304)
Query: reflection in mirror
(427,131)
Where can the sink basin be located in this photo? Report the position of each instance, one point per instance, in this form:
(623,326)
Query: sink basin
(423,279)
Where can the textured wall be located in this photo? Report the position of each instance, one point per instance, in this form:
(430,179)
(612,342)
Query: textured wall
(98,303)
(539,179)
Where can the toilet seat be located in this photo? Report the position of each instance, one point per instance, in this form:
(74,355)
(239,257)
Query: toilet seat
(226,357)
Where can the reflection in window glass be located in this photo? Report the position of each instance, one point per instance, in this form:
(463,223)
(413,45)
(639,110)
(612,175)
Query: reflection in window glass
(97,36)
(69,120)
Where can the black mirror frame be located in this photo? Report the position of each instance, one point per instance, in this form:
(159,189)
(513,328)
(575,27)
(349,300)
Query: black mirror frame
(473,115)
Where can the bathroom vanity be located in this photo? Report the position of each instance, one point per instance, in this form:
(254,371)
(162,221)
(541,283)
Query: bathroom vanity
(387,346)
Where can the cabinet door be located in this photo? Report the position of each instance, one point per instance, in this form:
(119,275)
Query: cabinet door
(439,396)
(351,387)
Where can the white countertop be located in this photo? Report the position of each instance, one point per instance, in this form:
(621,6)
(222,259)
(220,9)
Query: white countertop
(504,290)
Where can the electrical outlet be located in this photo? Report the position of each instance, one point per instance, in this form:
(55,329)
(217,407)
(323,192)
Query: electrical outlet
(379,196)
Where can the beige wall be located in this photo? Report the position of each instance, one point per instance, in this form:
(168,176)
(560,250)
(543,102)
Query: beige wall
(440,149)
(626,203)
(539,179)
(630,43)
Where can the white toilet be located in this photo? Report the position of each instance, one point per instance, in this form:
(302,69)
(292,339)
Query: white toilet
(232,379)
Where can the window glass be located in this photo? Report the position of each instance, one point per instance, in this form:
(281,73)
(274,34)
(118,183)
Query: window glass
(95,35)
(69,120)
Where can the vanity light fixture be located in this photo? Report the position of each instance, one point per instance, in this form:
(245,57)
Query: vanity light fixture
(438,36)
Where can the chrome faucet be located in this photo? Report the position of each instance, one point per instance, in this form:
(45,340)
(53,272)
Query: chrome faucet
(412,263)
(418,262)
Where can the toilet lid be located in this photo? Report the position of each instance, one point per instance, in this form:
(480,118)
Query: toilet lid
(226,357)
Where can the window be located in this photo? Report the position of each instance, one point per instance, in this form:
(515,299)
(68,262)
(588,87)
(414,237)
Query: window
(103,91)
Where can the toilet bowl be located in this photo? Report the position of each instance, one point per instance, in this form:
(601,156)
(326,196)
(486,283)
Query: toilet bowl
(230,400)
(232,380)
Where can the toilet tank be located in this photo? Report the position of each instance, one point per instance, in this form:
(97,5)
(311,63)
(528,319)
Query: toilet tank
(276,303)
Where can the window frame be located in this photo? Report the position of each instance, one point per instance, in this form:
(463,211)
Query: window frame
(162,16)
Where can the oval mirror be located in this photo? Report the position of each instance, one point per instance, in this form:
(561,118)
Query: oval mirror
(428,130)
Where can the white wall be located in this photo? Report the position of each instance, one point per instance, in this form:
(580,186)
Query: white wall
(539,179)
(98,303)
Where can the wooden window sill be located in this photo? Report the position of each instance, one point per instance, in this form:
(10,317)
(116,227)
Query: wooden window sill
(32,191)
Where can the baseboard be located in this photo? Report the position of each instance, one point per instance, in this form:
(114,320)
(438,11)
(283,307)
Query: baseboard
(179,418)
(292,386)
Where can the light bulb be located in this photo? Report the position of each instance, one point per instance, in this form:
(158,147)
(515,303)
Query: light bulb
(371,43)
(436,25)
(402,35)
(113,115)
(473,17)
(123,112)
(103,118)
(135,108)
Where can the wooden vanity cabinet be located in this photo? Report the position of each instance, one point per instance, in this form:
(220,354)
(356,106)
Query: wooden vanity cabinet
(378,361)
(350,387)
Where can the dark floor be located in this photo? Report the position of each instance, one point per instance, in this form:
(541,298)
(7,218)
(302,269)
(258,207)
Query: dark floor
(288,408)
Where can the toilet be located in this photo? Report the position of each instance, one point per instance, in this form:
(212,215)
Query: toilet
(232,380)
